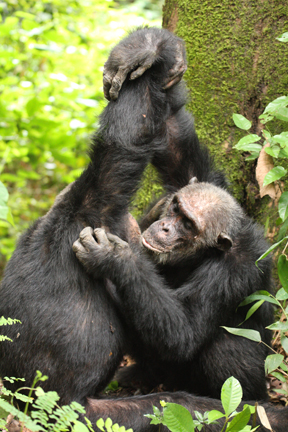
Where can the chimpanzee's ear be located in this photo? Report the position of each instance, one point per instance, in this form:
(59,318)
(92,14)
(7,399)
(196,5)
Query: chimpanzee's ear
(224,242)
(193,180)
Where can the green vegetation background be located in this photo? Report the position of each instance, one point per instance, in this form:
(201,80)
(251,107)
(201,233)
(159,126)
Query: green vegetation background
(51,61)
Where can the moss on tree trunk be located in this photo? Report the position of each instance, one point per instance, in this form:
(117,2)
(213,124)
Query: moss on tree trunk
(235,64)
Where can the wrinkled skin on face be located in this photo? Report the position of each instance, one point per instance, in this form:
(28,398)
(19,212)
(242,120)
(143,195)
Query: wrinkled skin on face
(198,216)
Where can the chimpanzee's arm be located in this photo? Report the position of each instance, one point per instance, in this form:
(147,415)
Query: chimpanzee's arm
(184,157)
(131,127)
(175,322)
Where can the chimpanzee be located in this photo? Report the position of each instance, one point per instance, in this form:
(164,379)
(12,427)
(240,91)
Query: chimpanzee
(72,329)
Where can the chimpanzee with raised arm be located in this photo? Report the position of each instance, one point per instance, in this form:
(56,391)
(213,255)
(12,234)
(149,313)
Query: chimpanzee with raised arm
(72,328)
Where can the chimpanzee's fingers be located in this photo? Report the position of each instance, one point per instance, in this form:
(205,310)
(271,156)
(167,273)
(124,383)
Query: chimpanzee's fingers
(172,80)
(117,241)
(86,238)
(139,71)
(101,237)
(117,82)
(78,247)
(107,81)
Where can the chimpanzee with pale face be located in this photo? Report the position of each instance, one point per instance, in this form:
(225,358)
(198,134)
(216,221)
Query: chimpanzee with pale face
(162,296)
(185,277)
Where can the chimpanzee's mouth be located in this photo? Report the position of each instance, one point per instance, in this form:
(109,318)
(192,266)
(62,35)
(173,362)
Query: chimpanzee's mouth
(148,246)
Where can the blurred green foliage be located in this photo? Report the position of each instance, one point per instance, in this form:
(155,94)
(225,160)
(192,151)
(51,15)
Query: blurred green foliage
(51,61)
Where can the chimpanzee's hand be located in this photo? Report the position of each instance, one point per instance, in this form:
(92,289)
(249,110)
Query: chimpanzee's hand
(137,53)
(99,251)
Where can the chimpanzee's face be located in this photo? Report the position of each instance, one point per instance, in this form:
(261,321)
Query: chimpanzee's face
(196,217)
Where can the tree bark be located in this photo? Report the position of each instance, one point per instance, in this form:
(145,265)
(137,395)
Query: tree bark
(235,65)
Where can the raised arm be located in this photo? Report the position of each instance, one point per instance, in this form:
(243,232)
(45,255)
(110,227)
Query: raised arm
(133,126)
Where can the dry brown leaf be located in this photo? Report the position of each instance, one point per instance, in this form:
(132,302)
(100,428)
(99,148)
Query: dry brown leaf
(263,417)
(264,165)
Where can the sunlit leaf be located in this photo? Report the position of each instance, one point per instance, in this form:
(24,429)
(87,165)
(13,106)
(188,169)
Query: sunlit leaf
(231,395)
(239,421)
(248,334)
(279,325)
(283,37)
(275,174)
(283,206)
(241,122)
(177,418)
(272,362)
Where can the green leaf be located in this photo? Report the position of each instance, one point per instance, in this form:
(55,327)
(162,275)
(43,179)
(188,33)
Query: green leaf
(283,37)
(281,139)
(239,421)
(260,295)
(241,122)
(281,294)
(273,151)
(231,395)
(4,210)
(249,147)
(266,134)
(215,415)
(248,334)
(282,114)
(274,106)
(279,325)
(108,424)
(4,195)
(282,266)
(274,246)
(248,139)
(272,362)
(283,206)
(79,427)
(177,418)
(100,424)
(253,309)
(252,156)
(279,376)
(284,342)
(275,174)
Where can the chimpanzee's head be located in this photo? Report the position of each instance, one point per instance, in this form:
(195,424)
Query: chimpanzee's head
(196,217)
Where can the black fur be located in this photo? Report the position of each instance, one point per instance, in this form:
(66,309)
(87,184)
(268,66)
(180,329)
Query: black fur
(71,328)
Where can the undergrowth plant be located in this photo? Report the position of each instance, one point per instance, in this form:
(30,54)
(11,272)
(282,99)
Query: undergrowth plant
(178,419)
(276,147)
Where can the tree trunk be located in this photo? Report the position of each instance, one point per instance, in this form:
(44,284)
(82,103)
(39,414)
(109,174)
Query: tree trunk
(235,65)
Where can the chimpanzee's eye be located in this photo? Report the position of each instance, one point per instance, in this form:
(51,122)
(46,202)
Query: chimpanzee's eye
(175,207)
(188,225)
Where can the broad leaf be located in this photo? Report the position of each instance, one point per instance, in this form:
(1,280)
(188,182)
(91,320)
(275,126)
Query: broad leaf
(260,295)
(79,427)
(275,174)
(281,294)
(248,139)
(282,266)
(177,418)
(272,362)
(215,415)
(284,343)
(279,325)
(239,421)
(3,193)
(283,37)
(248,147)
(273,151)
(248,334)
(241,122)
(231,395)
(283,206)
